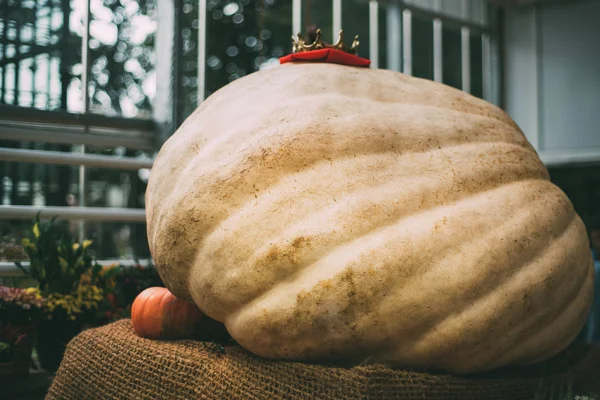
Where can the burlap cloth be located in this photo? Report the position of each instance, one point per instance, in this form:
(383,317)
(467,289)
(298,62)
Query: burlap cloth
(111,362)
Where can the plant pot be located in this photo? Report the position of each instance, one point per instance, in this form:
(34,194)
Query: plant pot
(24,349)
(52,339)
(7,371)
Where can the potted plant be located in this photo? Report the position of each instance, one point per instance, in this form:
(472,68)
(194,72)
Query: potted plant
(121,285)
(9,340)
(23,309)
(57,264)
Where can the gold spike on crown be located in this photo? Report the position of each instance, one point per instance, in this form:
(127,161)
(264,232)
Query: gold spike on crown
(299,45)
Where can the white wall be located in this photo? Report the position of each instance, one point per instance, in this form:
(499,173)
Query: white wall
(552,78)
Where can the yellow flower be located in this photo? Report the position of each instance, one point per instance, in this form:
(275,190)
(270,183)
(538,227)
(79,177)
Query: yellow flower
(27,244)
(36,230)
(75,246)
(86,244)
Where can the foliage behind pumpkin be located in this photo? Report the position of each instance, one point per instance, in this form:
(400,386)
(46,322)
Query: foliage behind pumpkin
(121,285)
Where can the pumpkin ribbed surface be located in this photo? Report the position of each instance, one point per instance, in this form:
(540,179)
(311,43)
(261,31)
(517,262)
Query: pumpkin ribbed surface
(329,212)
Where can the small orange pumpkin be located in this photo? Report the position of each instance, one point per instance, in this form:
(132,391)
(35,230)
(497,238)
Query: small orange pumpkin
(157,314)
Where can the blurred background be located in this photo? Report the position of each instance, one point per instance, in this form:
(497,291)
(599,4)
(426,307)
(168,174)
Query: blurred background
(114,78)
(90,89)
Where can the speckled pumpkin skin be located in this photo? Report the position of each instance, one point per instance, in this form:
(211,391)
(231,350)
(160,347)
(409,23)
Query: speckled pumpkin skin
(325,212)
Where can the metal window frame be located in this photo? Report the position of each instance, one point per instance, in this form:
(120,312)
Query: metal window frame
(201,50)
(74,159)
(407,41)
(399,43)
(56,134)
(21,124)
(94,130)
(399,33)
(10,270)
(394,36)
(101,214)
(374,33)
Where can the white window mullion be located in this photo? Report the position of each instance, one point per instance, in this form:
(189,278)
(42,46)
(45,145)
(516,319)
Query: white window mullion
(296,17)
(337,19)
(486,64)
(374,33)
(394,42)
(85,94)
(85,59)
(466,58)
(407,42)
(438,69)
(201,51)
(465,46)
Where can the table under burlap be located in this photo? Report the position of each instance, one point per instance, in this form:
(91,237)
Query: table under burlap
(111,362)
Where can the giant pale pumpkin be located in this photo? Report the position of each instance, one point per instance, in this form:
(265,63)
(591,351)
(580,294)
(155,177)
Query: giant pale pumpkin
(326,212)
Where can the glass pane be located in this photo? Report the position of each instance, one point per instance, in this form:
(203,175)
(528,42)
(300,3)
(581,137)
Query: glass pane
(451,57)
(476,65)
(422,47)
(355,21)
(37,184)
(188,58)
(319,14)
(242,37)
(274,28)
(122,76)
(53,185)
(581,184)
(42,48)
(119,189)
(118,240)
(32,184)
(383,37)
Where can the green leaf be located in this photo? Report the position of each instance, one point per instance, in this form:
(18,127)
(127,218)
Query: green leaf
(111,273)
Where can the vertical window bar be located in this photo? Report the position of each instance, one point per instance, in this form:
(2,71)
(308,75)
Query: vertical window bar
(337,19)
(394,42)
(32,42)
(407,42)
(64,73)
(165,110)
(85,98)
(296,17)
(487,67)
(466,58)
(486,52)
(437,44)
(466,50)
(48,79)
(82,182)
(85,59)
(50,31)
(494,69)
(201,51)
(17,95)
(4,45)
(374,33)
(437,51)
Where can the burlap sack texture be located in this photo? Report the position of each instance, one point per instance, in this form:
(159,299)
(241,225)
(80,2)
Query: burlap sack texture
(112,362)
